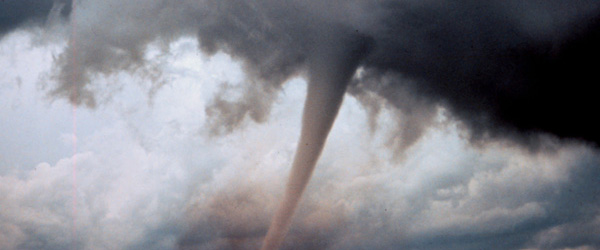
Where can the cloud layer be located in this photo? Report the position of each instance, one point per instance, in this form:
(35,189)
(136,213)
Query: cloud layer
(505,69)
(148,178)
(499,67)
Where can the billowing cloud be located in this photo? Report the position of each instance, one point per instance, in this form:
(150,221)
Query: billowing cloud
(427,71)
(498,67)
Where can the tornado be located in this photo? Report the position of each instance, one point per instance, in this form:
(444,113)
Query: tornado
(330,69)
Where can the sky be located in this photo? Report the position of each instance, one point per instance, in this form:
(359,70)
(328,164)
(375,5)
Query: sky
(153,125)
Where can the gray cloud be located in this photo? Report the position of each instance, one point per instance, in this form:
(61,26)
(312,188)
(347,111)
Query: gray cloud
(159,187)
(512,205)
(19,13)
(498,68)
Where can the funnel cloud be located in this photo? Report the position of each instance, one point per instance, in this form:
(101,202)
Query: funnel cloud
(329,73)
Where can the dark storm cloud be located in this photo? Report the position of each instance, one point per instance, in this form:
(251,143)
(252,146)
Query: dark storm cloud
(17,13)
(505,69)
(500,67)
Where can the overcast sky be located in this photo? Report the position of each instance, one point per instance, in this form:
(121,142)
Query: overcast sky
(174,144)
